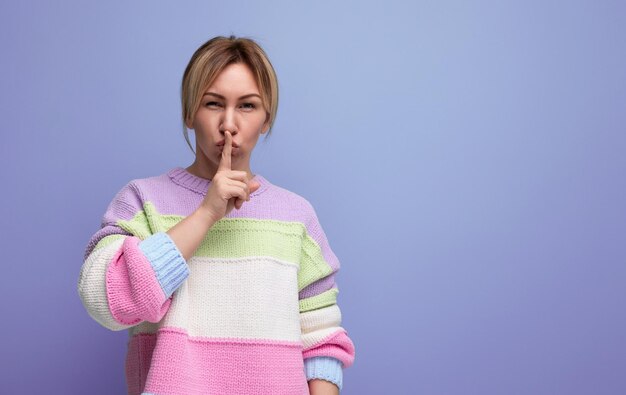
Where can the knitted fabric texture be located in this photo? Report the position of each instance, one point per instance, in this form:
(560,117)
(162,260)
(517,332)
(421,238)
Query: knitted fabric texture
(254,311)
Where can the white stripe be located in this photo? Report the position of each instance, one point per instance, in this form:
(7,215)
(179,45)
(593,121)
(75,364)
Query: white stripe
(321,318)
(250,298)
(92,286)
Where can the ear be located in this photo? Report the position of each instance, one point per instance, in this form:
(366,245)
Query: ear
(189,124)
(266,125)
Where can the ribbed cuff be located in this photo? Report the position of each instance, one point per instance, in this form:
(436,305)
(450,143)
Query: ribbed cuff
(325,368)
(167,261)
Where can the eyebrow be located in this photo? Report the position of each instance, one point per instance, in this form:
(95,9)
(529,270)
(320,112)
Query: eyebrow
(222,97)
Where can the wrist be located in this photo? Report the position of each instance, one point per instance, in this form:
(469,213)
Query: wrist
(206,214)
(322,387)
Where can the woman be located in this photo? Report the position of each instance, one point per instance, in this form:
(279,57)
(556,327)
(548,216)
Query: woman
(218,301)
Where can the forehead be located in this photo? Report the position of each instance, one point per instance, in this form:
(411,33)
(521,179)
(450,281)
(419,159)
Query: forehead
(235,80)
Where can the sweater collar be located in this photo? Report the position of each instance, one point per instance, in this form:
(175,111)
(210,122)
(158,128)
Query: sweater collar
(184,178)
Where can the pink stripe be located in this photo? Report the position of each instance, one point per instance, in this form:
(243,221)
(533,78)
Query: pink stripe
(171,362)
(337,345)
(133,291)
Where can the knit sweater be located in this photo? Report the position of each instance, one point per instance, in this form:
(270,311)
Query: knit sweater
(254,311)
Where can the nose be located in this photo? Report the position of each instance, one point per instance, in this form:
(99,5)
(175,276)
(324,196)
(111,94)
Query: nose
(228,122)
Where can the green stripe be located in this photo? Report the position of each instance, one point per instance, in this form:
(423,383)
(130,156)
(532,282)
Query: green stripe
(240,237)
(139,225)
(312,264)
(105,241)
(326,298)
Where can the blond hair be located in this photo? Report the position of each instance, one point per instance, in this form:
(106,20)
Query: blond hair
(208,62)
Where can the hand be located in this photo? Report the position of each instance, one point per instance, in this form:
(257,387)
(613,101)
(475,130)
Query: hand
(229,188)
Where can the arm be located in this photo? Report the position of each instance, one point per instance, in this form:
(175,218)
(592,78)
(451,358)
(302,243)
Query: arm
(327,347)
(191,230)
(129,273)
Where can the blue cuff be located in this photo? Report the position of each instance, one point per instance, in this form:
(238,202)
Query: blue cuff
(325,368)
(167,261)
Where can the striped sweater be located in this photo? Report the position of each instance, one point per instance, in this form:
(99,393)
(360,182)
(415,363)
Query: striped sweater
(254,311)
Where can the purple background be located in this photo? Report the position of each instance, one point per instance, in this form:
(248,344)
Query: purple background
(466,159)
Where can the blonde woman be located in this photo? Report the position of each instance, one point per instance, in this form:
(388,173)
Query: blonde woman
(216,300)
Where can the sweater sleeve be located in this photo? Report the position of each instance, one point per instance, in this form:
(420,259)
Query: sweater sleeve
(129,272)
(327,349)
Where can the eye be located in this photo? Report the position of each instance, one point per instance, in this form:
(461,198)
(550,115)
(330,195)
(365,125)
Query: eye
(252,106)
(212,103)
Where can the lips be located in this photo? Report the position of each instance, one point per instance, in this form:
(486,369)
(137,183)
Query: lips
(221,144)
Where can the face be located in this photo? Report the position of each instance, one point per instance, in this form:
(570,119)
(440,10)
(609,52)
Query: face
(232,103)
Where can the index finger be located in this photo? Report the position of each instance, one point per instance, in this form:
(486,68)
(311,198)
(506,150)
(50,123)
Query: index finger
(226,152)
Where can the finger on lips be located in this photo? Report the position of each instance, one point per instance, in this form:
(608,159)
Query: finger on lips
(226,152)
(225,164)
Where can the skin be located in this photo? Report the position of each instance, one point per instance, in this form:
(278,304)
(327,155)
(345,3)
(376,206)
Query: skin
(234,120)
(322,387)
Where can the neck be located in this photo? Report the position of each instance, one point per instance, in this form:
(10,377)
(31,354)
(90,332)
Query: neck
(205,169)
